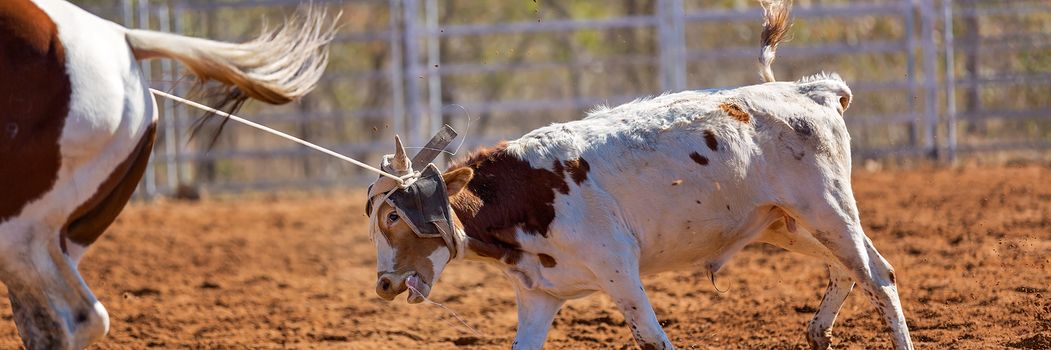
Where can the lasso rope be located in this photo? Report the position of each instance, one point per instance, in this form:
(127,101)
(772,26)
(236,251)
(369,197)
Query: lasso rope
(450,311)
(244,121)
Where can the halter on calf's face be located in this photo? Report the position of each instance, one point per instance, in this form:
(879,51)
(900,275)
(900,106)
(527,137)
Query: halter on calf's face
(412,223)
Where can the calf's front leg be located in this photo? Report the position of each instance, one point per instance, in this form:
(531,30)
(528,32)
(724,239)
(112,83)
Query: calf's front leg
(536,311)
(624,286)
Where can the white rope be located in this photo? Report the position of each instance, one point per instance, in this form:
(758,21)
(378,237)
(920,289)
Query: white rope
(278,133)
(443,307)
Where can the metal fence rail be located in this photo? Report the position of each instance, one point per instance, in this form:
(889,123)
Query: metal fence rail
(930,76)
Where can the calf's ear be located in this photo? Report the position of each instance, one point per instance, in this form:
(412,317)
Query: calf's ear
(456,180)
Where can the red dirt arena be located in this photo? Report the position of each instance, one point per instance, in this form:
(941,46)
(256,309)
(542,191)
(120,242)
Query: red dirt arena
(971,248)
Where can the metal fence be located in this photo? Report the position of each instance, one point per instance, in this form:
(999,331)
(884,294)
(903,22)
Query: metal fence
(932,79)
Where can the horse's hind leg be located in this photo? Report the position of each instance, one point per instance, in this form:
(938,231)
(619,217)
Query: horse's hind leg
(52,306)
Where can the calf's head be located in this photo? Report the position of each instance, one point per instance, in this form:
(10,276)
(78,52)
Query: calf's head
(409,252)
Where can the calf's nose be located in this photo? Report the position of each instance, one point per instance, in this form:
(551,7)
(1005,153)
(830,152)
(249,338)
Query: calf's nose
(389,286)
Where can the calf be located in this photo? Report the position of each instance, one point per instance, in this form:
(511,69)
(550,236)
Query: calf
(683,180)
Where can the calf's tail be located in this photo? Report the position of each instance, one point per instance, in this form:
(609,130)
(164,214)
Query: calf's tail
(775,25)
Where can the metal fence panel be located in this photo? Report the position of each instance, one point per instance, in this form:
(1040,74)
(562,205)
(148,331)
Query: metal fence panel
(407,66)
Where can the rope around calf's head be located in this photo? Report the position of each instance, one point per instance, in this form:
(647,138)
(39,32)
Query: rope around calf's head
(265,128)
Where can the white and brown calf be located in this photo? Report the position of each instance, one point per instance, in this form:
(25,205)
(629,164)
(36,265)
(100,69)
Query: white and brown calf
(680,181)
(76,131)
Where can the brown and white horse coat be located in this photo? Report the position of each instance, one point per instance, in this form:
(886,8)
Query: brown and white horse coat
(77,125)
(680,181)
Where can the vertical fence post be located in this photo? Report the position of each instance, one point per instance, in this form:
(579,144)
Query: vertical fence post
(127,13)
(671,37)
(170,129)
(144,23)
(397,76)
(181,114)
(950,81)
(434,79)
(412,86)
(930,76)
(910,72)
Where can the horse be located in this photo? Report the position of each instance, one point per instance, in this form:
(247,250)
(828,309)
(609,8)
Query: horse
(77,126)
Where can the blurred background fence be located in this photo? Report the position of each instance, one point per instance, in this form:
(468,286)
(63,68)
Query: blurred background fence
(932,79)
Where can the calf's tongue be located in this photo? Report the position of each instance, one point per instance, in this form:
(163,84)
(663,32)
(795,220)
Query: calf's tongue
(415,290)
(413,282)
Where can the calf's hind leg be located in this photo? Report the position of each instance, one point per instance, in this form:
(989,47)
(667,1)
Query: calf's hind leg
(819,330)
(834,223)
(787,235)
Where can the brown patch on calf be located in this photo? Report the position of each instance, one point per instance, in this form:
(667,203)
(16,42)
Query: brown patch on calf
(697,157)
(467,204)
(578,169)
(709,139)
(507,194)
(735,112)
(547,260)
(92,217)
(777,225)
(34,103)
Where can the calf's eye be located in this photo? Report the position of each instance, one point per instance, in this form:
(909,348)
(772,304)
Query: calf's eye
(393,217)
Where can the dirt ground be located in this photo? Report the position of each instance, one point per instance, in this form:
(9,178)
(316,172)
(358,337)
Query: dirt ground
(971,247)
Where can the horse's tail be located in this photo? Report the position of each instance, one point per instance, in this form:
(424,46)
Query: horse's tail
(775,25)
(278,67)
